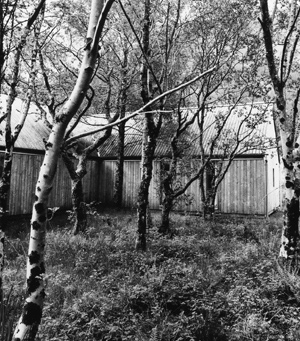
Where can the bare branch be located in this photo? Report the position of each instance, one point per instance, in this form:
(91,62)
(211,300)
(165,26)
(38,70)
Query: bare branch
(100,25)
(35,14)
(141,48)
(266,26)
(292,54)
(285,46)
(74,125)
(141,110)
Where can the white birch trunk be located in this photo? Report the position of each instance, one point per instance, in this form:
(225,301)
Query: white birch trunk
(287,247)
(279,74)
(32,311)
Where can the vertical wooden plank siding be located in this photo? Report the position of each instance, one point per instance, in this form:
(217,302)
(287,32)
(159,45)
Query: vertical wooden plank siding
(243,190)
(91,181)
(25,169)
(88,188)
(106,182)
(245,186)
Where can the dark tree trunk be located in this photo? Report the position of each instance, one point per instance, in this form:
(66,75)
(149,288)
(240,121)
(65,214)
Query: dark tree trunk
(77,173)
(208,189)
(165,215)
(168,199)
(1,44)
(209,208)
(150,133)
(79,207)
(203,195)
(118,192)
(143,193)
(5,185)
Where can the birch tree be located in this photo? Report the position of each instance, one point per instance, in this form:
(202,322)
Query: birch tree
(77,172)
(215,32)
(107,95)
(229,143)
(116,76)
(30,319)
(8,27)
(11,135)
(284,79)
(159,45)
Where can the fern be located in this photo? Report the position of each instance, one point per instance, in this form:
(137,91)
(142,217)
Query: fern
(154,334)
(6,321)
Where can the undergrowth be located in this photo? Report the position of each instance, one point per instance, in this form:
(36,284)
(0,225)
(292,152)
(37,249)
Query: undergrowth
(212,281)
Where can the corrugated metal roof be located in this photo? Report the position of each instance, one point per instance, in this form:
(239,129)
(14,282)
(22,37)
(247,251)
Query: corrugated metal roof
(238,123)
(33,131)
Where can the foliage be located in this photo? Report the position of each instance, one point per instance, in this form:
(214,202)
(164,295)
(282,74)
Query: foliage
(212,281)
(10,304)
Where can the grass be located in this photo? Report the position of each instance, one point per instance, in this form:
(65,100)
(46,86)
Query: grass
(213,281)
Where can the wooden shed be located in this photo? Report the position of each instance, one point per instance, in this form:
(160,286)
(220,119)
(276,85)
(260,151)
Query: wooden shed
(251,185)
(28,156)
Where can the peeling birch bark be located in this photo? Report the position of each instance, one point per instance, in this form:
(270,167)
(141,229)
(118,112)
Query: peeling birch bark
(30,319)
(288,126)
(10,138)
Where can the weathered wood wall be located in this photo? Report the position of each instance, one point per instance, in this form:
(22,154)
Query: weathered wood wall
(250,187)
(25,171)
(243,191)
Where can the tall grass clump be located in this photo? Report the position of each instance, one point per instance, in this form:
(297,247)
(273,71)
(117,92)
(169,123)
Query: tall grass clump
(211,281)
(9,313)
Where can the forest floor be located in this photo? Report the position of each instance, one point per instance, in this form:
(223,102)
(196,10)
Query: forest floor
(212,281)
